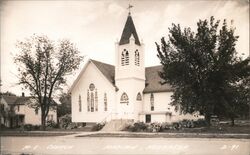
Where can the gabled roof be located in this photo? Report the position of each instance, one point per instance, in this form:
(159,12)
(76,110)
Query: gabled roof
(153,81)
(128,30)
(107,70)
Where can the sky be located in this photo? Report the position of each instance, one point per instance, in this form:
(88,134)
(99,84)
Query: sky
(95,25)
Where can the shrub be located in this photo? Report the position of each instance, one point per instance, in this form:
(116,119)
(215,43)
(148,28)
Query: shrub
(51,124)
(65,121)
(28,127)
(200,123)
(98,126)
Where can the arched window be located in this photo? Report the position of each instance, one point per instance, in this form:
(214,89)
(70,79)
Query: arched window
(137,58)
(105,102)
(138,97)
(80,103)
(126,58)
(92,102)
(123,57)
(88,100)
(92,98)
(96,100)
(124,98)
(152,102)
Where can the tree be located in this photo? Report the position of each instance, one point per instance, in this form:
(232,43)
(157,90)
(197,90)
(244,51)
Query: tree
(204,69)
(43,66)
(65,106)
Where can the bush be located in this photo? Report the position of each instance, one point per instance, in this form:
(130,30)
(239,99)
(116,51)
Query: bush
(51,124)
(200,123)
(98,126)
(65,121)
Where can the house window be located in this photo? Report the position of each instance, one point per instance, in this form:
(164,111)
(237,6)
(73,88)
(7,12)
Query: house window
(138,97)
(137,58)
(152,101)
(36,111)
(125,58)
(18,108)
(124,98)
(80,103)
(105,102)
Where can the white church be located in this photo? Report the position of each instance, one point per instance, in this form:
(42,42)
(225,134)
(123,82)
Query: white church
(127,90)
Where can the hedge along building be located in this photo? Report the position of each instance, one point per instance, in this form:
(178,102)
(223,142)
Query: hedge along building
(128,90)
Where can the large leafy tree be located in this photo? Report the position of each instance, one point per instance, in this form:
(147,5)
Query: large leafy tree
(43,66)
(204,69)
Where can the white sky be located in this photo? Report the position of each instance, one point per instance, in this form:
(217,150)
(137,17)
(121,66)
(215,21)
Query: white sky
(94,26)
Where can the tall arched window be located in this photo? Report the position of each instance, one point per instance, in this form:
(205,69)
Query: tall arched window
(123,57)
(124,98)
(88,101)
(138,97)
(80,103)
(105,102)
(152,102)
(137,58)
(96,100)
(92,98)
(126,58)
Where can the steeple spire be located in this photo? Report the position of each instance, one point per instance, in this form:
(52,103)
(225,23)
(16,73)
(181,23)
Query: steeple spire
(128,30)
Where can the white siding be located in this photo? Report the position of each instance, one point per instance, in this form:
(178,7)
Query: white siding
(92,75)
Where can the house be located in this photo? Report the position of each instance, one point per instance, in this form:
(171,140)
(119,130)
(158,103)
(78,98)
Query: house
(16,111)
(127,90)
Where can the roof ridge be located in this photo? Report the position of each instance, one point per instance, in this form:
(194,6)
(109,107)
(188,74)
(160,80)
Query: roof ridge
(101,62)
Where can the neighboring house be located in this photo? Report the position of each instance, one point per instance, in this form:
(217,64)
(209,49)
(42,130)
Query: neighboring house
(128,90)
(17,111)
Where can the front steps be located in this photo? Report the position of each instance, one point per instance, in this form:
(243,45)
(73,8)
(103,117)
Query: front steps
(117,125)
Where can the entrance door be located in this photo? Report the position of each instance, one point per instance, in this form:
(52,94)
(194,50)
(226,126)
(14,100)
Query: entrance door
(148,118)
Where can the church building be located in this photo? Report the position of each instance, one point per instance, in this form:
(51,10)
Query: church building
(126,90)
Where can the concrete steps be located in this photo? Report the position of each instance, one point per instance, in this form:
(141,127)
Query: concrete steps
(117,125)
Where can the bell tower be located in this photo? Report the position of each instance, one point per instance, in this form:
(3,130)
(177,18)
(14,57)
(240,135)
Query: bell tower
(129,71)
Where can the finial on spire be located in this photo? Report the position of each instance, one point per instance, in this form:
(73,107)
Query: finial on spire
(129,7)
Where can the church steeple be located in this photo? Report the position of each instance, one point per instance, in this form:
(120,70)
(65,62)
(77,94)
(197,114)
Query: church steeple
(128,30)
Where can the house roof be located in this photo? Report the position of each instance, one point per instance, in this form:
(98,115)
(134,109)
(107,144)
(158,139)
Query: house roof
(15,100)
(128,30)
(18,100)
(152,83)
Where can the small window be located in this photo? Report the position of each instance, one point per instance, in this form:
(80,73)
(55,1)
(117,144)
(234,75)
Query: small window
(36,111)
(138,97)
(105,102)
(18,108)
(80,103)
(152,102)
(124,98)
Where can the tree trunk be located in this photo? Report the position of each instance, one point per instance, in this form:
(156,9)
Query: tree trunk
(208,119)
(43,121)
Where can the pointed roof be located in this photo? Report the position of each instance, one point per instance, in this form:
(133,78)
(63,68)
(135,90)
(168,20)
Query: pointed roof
(128,30)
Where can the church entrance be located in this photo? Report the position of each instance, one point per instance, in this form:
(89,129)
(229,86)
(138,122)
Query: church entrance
(148,118)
